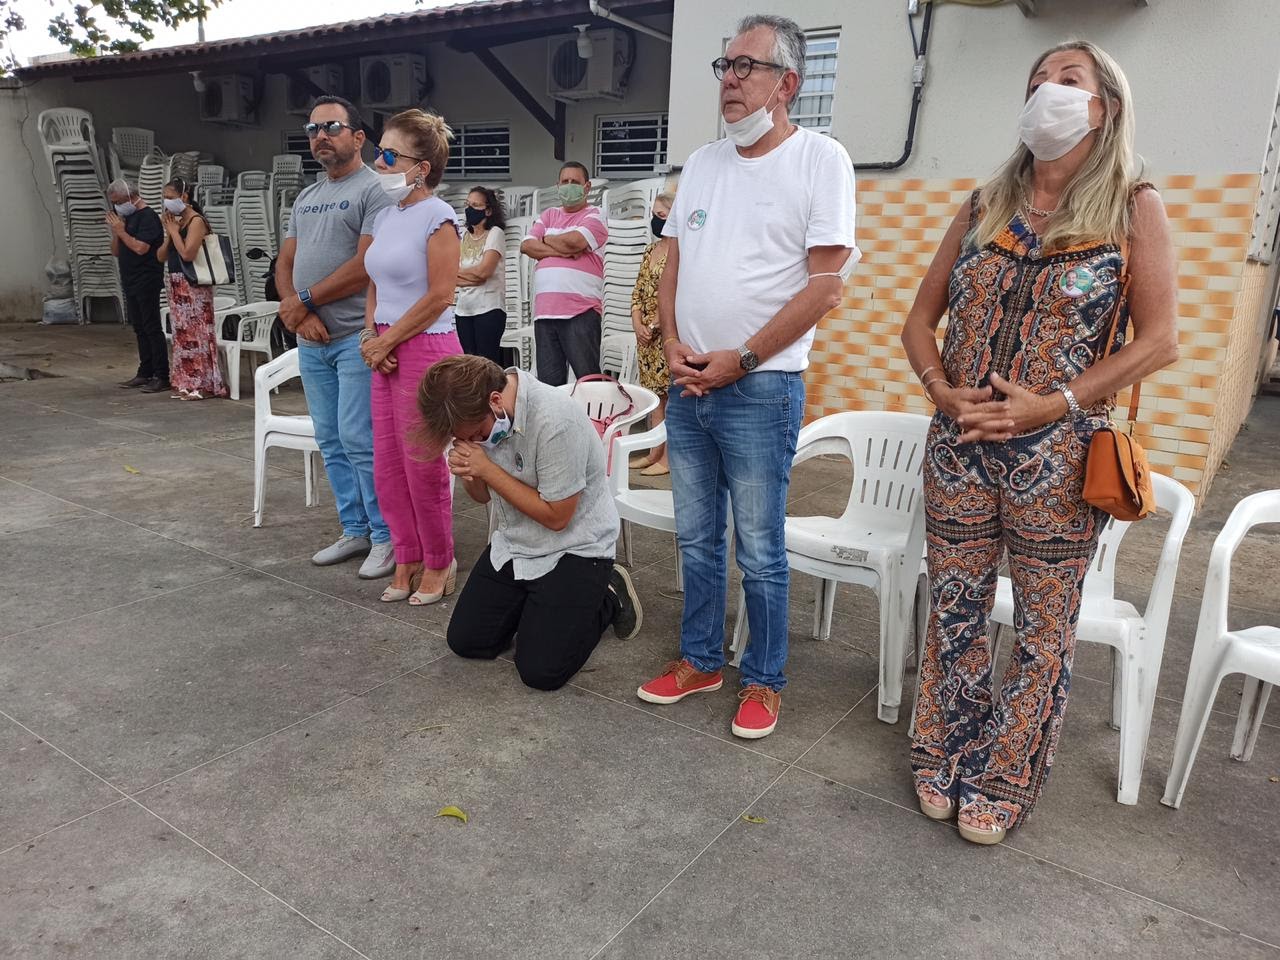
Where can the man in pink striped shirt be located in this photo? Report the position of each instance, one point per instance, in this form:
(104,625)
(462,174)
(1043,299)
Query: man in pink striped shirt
(568,283)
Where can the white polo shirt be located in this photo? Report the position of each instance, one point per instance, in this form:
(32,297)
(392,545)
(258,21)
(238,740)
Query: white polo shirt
(745,227)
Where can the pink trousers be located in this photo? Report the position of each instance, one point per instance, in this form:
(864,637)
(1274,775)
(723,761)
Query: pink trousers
(414,493)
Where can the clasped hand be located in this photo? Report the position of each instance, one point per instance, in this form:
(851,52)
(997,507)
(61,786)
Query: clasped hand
(377,354)
(980,417)
(468,460)
(700,373)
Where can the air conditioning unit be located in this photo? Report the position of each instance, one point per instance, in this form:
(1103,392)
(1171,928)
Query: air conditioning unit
(394,81)
(327,76)
(602,76)
(228,99)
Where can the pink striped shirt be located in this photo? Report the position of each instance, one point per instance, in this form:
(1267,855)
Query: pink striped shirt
(568,286)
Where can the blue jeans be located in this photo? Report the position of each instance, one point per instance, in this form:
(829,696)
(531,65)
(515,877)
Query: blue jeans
(735,445)
(337,382)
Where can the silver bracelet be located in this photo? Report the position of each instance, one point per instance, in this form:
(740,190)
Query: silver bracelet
(367,334)
(1073,405)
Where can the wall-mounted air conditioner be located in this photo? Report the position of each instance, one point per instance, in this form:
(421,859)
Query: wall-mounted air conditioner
(601,76)
(394,81)
(228,99)
(327,76)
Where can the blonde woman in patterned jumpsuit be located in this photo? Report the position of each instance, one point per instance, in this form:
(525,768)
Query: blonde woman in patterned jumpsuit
(1030,274)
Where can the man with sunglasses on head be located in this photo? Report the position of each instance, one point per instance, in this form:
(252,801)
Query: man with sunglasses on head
(762,237)
(321,280)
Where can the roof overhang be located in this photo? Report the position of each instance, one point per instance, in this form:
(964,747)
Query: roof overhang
(470,26)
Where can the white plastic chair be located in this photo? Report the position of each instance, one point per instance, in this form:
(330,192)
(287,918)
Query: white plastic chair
(253,323)
(600,399)
(877,542)
(1254,651)
(654,509)
(618,354)
(1136,639)
(278,430)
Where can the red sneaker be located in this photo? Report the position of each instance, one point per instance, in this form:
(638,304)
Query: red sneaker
(679,679)
(758,714)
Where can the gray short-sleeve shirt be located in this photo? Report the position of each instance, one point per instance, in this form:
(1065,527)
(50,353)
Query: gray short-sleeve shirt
(327,221)
(553,448)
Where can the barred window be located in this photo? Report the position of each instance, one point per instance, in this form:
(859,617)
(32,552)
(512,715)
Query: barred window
(481,151)
(813,106)
(297,144)
(631,145)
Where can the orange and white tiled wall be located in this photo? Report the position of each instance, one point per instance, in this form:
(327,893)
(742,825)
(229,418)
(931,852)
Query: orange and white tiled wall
(1189,413)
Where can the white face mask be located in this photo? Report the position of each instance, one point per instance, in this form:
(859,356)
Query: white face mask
(501,430)
(394,185)
(1054,120)
(175,205)
(126,209)
(748,131)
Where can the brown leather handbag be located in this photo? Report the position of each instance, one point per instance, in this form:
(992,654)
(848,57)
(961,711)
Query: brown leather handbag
(1117,475)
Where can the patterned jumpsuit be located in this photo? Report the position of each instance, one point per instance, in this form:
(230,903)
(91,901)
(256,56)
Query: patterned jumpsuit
(1038,320)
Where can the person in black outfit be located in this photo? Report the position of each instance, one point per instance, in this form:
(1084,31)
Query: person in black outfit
(136,234)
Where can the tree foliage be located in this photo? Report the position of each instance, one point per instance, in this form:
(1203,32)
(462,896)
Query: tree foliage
(104,27)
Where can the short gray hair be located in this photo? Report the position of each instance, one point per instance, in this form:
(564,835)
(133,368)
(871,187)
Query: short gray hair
(121,188)
(789,45)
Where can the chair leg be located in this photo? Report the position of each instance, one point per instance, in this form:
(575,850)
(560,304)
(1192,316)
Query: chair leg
(625,533)
(1197,702)
(259,481)
(679,571)
(741,630)
(1137,675)
(233,371)
(828,608)
(312,493)
(819,595)
(1253,707)
(1117,689)
(893,626)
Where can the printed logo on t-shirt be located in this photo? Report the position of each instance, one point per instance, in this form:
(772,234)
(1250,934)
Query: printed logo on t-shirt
(697,219)
(344,204)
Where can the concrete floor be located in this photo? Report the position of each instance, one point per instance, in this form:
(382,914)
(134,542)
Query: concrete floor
(211,748)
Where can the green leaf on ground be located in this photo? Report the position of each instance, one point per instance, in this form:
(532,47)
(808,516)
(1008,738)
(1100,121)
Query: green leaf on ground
(452,812)
(750,819)
(129,469)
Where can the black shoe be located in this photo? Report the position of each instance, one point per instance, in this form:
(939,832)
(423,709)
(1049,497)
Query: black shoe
(626,622)
(136,382)
(156,385)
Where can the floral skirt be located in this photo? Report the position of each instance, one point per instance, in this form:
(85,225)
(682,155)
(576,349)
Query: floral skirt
(194,365)
(652,362)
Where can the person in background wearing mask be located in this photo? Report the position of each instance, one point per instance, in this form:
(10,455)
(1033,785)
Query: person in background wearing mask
(412,264)
(321,279)
(136,235)
(482,281)
(194,372)
(761,235)
(547,575)
(568,283)
(1031,277)
(654,374)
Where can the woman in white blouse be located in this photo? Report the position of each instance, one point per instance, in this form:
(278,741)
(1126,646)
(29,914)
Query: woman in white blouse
(481,309)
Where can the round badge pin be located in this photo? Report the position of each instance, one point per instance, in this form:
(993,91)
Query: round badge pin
(697,219)
(1077,281)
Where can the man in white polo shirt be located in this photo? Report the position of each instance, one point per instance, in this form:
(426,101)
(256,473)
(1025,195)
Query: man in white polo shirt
(762,237)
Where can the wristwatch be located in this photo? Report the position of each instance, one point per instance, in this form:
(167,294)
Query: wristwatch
(747,359)
(305,296)
(1073,405)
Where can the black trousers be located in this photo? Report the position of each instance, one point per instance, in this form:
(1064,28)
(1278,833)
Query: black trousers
(481,334)
(556,620)
(143,309)
(571,340)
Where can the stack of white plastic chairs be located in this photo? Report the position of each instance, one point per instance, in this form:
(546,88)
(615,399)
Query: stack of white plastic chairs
(518,201)
(152,176)
(287,180)
(128,148)
(622,256)
(211,186)
(77,170)
(254,215)
(518,335)
(633,200)
(221,220)
(185,166)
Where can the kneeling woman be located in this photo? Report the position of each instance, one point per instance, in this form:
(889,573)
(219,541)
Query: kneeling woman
(548,572)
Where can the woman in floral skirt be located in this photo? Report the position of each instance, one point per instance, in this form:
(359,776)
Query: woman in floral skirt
(644,320)
(193,369)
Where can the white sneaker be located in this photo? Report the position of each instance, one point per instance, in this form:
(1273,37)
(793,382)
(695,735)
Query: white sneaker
(381,562)
(344,549)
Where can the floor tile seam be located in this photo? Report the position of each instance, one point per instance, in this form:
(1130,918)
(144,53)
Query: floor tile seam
(288,726)
(40,836)
(127,603)
(98,420)
(1076,675)
(57,749)
(231,866)
(683,870)
(44,526)
(1011,846)
(826,733)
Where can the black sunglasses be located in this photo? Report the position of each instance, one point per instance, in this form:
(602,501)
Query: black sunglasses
(389,156)
(741,66)
(331,127)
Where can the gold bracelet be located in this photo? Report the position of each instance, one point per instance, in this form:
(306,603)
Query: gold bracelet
(670,340)
(930,383)
(925,372)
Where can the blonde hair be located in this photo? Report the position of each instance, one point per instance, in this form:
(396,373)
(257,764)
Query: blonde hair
(1095,204)
(429,135)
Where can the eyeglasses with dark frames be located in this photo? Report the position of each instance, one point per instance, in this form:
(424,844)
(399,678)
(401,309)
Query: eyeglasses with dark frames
(331,127)
(741,66)
(389,156)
